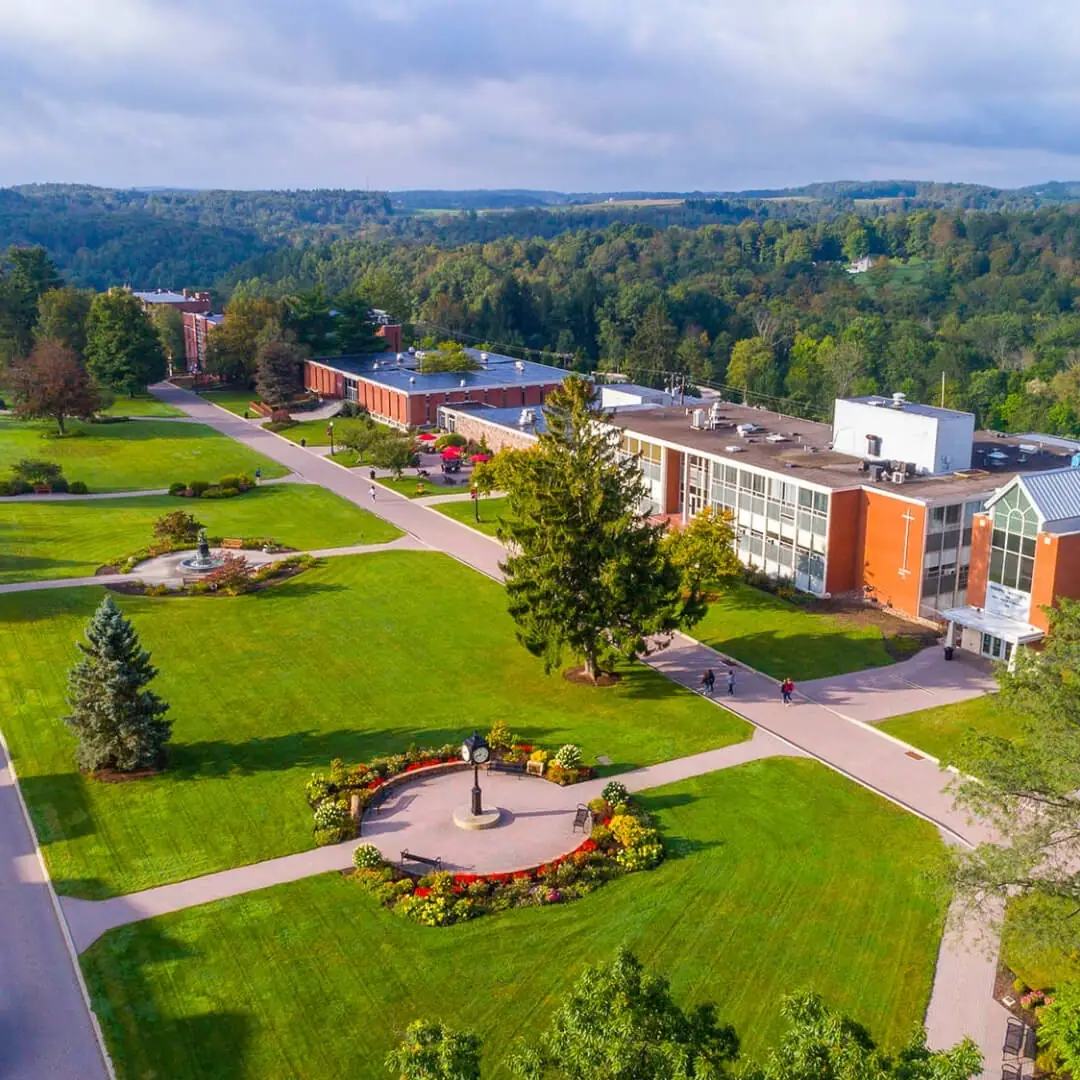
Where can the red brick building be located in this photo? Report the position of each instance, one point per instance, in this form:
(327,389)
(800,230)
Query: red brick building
(393,389)
(184,301)
(198,326)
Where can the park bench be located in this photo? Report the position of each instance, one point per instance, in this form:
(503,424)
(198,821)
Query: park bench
(581,818)
(194,581)
(232,542)
(507,767)
(1014,1037)
(1011,1072)
(408,856)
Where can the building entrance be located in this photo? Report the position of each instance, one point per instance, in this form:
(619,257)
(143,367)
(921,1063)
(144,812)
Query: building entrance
(996,648)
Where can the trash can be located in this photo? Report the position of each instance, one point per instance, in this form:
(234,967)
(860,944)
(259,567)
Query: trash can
(948,652)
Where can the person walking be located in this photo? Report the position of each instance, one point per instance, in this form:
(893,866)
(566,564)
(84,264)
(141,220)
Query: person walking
(731,682)
(371,474)
(372,492)
(787,688)
(708,681)
(258,477)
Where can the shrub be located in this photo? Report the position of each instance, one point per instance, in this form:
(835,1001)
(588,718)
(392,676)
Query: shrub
(539,755)
(614,793)
(220,493)
(77,487)
(59,485)
(330,814)
(317,789)
(230,482)
(197,487)
(32,471)
(351,410)
(177,527)
(629,831)
(177,488)
(499,737)
(232,577)
(450,439)
(598,807)
(366,857)
(569,756)
(640,857)
(5,488)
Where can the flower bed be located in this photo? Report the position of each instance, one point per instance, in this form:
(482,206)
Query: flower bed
(623,841)
(126,563)
(251,581)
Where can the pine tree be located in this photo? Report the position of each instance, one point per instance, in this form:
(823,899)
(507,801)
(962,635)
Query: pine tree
(119,724)
(587,570)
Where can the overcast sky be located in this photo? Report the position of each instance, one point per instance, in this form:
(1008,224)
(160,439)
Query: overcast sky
(562,94)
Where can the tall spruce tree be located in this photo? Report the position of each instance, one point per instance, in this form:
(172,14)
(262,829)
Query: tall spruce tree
(587,571)
(119,724)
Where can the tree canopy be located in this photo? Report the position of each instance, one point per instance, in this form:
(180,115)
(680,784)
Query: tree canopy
(123,350)
(52,382)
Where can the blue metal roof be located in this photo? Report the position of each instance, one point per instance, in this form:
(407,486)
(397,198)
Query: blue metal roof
(384,369)
(1056,495)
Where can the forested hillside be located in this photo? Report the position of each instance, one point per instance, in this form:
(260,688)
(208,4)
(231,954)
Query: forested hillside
(765,308)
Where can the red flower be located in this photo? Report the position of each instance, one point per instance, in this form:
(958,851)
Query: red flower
(587,845)
(465,879)
(524,748)
(523,875)
(375,783)
(422,891)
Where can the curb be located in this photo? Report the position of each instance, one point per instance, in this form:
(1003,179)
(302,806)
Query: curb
(69,943)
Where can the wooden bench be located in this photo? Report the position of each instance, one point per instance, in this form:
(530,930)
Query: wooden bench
(232,542)
(507,767)
(408,856)
(581,818)
(193,581)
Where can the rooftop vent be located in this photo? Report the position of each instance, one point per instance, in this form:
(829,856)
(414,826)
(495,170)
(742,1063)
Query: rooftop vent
(734,449)
(461,382)
(375,366)
(412,350)
(898,400)
(520,365)
(747,429)
(399,358)
(412,379)
(526,417)
(483,358)
(697,418)
(776,437)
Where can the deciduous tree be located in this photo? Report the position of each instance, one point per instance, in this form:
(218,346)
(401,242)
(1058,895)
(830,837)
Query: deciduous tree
(62,315)
(752,367)
(587,571)
(52,382)
(619,1022)
(119,723)
(178,526)
(169,324)
(447,356)
(1028,787)
(432,1051)
(394,452)
(233,347)
(123,350)
(704,551)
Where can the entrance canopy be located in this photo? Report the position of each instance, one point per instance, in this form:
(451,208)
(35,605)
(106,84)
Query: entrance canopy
(999,626)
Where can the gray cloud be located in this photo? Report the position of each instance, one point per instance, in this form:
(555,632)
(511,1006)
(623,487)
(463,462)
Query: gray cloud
(571,94)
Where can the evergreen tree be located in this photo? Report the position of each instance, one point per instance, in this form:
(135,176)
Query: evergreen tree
(123,350)
(650,352)
(587,571)
(278,378)
(119,724)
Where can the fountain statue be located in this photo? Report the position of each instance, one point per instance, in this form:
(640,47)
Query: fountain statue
(202,562)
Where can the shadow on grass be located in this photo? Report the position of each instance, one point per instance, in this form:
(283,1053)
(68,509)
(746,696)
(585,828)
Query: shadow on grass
(682,847)
(24,564)
(59,806)
(212,1043)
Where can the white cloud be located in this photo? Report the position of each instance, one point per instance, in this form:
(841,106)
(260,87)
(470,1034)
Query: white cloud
(573,94)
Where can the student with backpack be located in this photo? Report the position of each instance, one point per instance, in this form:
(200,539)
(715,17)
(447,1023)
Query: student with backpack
(787,688)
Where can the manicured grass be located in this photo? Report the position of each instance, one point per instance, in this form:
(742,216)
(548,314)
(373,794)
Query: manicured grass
(236,401)
(364,655)
(141,405)
(40,540)
(940,731)
(314,431)
(784,875)
(131,457)
(489,509)
(781,639)
(432,486)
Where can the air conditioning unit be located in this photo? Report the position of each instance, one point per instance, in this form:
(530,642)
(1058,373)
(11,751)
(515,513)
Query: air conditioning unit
(898,477)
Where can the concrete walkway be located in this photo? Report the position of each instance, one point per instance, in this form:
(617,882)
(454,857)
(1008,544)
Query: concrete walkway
(166,568)
(417,816)
(46,1028)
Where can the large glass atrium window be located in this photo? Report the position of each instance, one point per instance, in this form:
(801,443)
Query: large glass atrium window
(1012,543)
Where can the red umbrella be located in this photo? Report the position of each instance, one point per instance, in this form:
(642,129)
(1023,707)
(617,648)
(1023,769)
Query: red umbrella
(476,459)
(426,436)
(451,452)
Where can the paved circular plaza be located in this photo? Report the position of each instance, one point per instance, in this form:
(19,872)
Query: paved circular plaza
(537,822)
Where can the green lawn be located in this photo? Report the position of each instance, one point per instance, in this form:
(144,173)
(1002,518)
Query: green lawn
(489,510)
(433,485)
(141,405)
(236,401)
(131,457)
(366,654)
(781,639)
(940,731)
(784,876)
(40,540)
(314,431)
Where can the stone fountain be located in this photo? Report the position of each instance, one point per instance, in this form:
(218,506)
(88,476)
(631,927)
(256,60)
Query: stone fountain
(202,562)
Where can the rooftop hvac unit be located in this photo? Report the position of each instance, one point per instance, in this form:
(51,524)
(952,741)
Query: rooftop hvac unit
(697,418)
(526,417)
(483,358)
(714,413)
(461,382)
(519,364)
(898,477)
(746,429)
(412,350)
(734,449)
(898,401)
(399,358)
(776,437)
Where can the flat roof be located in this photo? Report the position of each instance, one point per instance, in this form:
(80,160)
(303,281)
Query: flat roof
(805,451)
(909,407)
(163,296)
(497,371)
(504,418)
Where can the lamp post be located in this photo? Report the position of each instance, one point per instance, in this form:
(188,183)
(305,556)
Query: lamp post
(475,751)
(330,432)
(475,502)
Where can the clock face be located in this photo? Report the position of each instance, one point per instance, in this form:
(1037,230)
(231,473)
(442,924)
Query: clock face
(465,754)
(480,755)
